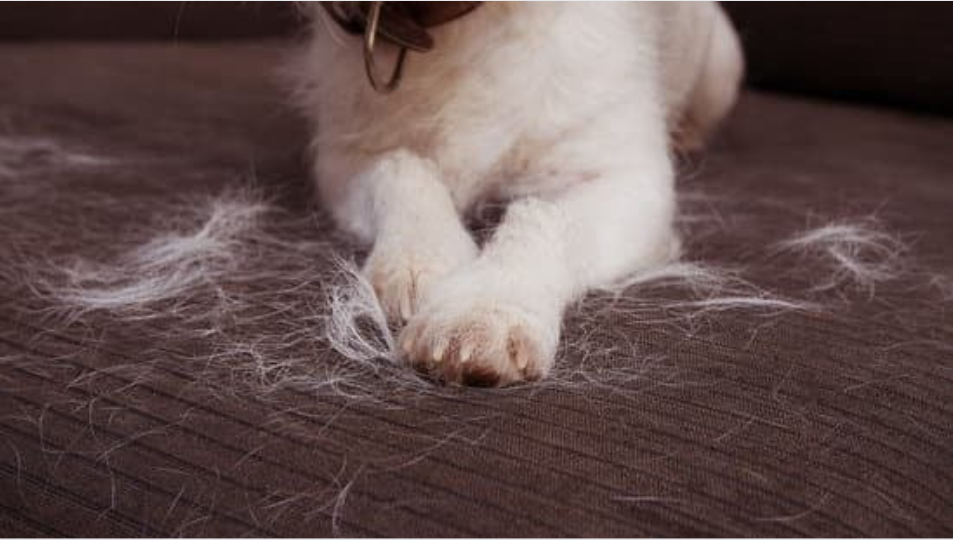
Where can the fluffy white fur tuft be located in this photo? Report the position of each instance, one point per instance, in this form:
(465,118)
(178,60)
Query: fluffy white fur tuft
(272,309)
(22,157)
(357,326)
(168,266)
(861,253)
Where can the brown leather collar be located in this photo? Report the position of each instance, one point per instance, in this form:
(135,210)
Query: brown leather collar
(403,24)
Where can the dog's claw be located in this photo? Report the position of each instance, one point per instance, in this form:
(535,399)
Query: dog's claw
(466,351)
(438,351)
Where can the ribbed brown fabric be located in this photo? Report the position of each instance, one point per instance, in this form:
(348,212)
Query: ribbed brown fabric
(837,422)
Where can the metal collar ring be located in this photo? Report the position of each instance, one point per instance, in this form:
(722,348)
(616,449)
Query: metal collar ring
(370,36)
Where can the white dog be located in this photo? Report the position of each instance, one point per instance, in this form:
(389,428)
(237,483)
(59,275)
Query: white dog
(569,111)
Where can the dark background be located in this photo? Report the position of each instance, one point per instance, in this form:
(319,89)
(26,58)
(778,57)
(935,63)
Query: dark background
(893,53)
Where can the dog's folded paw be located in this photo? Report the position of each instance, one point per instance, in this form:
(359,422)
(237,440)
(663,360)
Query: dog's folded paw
(402,275)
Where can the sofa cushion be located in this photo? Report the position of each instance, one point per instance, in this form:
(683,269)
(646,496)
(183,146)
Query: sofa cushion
(829,415)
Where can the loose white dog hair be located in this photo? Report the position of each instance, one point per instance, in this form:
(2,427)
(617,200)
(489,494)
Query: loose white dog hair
(861,253)
(279,309)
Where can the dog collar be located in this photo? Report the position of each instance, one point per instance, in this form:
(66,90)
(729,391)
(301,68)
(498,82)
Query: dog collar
(403,24)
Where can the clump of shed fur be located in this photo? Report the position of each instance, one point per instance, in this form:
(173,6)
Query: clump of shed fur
(24,156)
(860,254)
(267,299)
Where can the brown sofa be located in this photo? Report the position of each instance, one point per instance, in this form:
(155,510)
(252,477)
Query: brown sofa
(833,420)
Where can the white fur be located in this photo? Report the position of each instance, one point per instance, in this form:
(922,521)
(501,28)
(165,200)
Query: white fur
(23,157)
(167,266)
(566,109)
(861,252)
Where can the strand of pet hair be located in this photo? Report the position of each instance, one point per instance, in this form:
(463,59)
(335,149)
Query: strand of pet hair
(861,252)
(165,267)
(267,307)
(22,156)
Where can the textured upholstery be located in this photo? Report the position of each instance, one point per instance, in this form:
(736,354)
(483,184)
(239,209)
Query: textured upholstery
(836,422)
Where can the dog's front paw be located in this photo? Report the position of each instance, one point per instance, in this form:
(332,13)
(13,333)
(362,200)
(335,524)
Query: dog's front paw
(402,274)
(483,343)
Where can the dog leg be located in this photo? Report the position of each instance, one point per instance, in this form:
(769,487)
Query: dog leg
(497,320)
(400,205)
